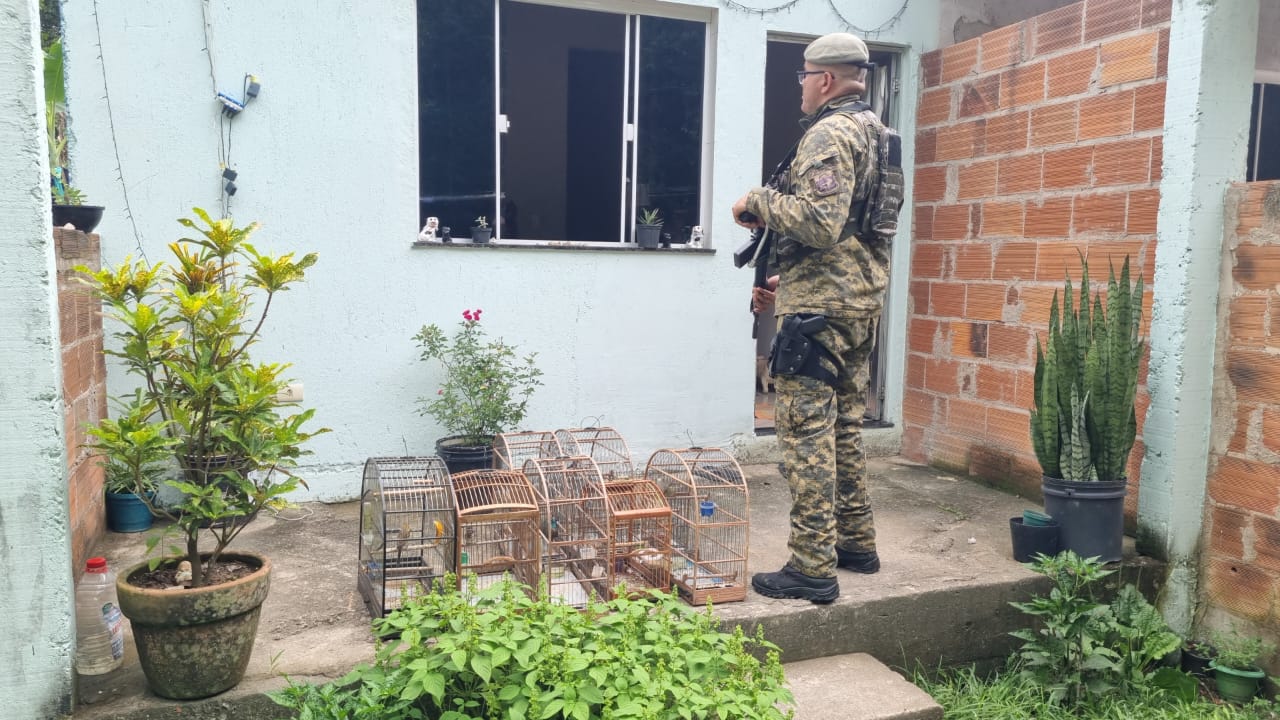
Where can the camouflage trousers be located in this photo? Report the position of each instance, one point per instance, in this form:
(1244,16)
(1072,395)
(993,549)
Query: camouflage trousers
(820,433)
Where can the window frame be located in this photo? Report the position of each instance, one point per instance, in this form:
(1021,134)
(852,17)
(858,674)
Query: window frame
(632,11)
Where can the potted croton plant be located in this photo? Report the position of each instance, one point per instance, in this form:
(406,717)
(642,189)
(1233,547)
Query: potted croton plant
(186,331)
(132,450)
(485,390)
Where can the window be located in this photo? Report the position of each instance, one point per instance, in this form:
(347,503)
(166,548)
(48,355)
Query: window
(1264,133)
(557,123)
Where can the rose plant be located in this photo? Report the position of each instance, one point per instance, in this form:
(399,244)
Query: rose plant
(486,386)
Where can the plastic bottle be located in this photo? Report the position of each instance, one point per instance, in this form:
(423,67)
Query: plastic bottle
(99,625)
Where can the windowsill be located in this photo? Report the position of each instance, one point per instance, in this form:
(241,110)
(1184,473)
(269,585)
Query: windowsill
(676,249)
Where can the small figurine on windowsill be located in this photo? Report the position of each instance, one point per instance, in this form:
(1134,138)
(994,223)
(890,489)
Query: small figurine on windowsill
(428,233)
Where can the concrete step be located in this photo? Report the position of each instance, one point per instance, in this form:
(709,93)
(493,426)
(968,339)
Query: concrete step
(856,686)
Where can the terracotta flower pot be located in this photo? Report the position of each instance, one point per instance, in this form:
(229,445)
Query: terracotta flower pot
(196,642)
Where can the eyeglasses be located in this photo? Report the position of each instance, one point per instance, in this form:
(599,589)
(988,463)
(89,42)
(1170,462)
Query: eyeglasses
(801,74)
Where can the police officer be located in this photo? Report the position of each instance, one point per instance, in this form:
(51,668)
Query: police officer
(826,271)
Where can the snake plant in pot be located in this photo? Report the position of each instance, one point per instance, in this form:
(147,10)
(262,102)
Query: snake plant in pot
(186,331)
(1084,421)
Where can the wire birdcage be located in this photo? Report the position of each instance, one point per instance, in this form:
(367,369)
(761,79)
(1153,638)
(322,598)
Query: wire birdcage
(498,531)
(512,450)
(603,445)
(575,526)
(408,530)
(640,535)
(710,510)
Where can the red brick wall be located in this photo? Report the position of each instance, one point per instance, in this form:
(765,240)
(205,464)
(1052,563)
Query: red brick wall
(1241,564)
(1033,141)
(84,377)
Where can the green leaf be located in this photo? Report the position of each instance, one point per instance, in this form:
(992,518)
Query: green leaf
(482,666)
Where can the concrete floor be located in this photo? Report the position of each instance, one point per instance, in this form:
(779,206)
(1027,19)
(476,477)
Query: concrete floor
(941,596)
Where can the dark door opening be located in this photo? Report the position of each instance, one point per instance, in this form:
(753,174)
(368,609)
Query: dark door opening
(781,130)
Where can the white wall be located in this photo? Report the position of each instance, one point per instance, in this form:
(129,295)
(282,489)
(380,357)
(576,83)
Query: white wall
(35,546)
(656,345)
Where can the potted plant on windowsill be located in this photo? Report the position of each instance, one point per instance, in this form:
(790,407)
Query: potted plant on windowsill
(649,229)
(481,232)
(1084,421)
(485,391)
(186,331)
(1235,668)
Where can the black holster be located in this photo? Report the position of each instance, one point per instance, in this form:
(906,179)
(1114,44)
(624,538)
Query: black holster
(796,352)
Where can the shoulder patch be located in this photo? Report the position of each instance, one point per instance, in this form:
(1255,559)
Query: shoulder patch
(825,183)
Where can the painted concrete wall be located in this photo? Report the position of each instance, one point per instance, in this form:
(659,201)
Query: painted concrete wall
(1204,151)
(35,551)
(656,345)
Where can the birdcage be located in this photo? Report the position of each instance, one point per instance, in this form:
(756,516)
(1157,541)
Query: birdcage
(408,528)
(575,526)
(709,515)
(512,450)
(603,445)
(640,535)
(497,528)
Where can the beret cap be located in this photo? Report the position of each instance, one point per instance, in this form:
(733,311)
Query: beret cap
(837,49)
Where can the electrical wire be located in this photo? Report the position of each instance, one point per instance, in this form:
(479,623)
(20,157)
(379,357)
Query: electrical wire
(865,32)
(115,145)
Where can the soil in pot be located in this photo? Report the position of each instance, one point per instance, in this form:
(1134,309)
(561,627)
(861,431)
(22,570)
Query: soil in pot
(224,571)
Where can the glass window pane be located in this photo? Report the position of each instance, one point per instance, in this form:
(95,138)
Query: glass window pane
(455,112)
(1268,149)
(669,125)
(562,89)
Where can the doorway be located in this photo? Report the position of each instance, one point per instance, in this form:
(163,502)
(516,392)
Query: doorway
(781,130)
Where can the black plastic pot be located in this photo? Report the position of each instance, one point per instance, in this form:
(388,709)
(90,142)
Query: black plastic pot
(82,217)
(1196,661)
(481,236)
(1032,540)
(1091,515)
(459,454)
(648,237)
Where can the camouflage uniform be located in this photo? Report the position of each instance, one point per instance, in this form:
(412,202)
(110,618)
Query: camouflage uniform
(827,270)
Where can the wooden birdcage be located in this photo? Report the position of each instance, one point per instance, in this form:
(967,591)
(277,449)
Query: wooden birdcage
(640,535)
(408,530)
(603,445)
(575,526)
(498,531)
(710,511)
(512,450)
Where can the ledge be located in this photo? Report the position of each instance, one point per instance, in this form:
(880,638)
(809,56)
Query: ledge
(562,246)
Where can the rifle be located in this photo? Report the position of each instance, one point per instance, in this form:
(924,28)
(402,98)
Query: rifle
(755,253)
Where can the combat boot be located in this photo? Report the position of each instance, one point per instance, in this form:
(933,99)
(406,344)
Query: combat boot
(865,562)
(789,583)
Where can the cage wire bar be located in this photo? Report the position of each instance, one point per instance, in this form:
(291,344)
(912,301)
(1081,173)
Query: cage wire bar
(512,450)
(640,536)
(603,445)
(710,510)
(498,531)
(408,530)
(575,528)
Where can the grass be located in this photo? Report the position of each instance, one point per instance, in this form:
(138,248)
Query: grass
(966,696)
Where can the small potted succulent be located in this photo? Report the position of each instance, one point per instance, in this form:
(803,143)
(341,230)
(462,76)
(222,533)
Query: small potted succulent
(649,228)
(1235,669)
(481,232)
(485,390)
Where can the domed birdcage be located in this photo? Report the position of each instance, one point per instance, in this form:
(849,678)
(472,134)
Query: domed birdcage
(603,445)
(639,536)
(575,528)
(710,511)
(498,531)
(512,450)
(408,530)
